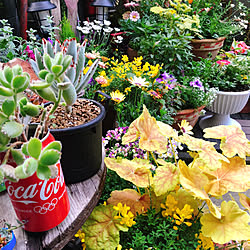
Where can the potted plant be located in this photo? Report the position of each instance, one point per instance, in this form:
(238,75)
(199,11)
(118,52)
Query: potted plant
(29,157)
(78,121)
(132,84)
(231,77)
(168,204)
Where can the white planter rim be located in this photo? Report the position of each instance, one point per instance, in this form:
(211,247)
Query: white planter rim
(233,92)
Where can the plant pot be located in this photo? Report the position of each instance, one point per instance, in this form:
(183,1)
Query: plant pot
(11,244)
(42,204)
(190,115)
(226,103)
(201,48)
(132,53)
(81,148)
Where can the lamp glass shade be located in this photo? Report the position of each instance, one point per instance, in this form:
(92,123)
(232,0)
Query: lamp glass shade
(103,3)
(41,6)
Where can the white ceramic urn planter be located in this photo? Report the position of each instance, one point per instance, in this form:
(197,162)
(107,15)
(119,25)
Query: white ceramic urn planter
(225,104)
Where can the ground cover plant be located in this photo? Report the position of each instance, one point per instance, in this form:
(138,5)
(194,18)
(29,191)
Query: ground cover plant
(170,206)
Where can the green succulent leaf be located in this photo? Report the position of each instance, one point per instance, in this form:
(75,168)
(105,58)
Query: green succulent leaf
(19,81)
(50,157)
(56,145)
(34,147)
(57,69)
(8,73)
(38,85)
(5,91)
(43,73)
(24,149)
(69,95)
(9,173)
(53,171)
(4,139)
(3,80)
(23,100)
(28,168)
(17,70)
(3,118)
(31,109)
(66,62)
(43,172)
(17,156)
(47,94)
(24,87)
(63,85)
(49,78)
(47,61)
(1,176)
(12,129)
(8,107)
(58,59)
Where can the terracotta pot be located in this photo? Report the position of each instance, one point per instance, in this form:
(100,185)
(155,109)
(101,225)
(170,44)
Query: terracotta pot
(201,48)
(43,204)
(226,103)
(132,53)
(190,115)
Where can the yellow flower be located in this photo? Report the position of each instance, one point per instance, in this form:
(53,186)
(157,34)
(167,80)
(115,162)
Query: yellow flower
(119,247)
(185,214)
(81,235)
(126,90)
(169,206)
(117,96)
(123,214)
(85,70)
(205,243)
(185,127)
(244,77)
(90,62)
(125,58)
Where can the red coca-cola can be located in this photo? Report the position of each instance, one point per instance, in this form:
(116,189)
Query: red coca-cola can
(43,204)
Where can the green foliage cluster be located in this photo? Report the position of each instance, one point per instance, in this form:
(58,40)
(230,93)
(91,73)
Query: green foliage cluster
(66,30)
(152,231)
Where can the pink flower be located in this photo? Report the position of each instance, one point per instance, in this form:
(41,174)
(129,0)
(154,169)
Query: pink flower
(223,62)
(126,15)
(90,56)
(134,16)
(239,47)
(30,53)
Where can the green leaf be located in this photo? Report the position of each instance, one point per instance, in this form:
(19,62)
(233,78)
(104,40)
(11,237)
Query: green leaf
(8,107)
(1,176)
(25,149)
(47,94)
(4,139)
(50,157)
(43,172)
(69,95)
(57,69)
(5,91)
(66,62)
(47,61)
(28,168)
(8,74)
(34,147)
(58,58)
(17,70)
(3,118)
(12,129)
(63,85)
(38,85)
(19,82)
(17,156)
(56,145)
(23,100)
(49,78)
(3,80)
(43,73)
(31,109)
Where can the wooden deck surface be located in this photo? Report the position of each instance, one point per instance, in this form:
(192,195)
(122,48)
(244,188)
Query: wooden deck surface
(245,125)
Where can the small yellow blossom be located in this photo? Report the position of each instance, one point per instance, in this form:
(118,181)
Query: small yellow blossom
(205,243)
(185,214)
(85,70)
(170,206)
(126,90)
(125,216)
(90,62)
(125,58)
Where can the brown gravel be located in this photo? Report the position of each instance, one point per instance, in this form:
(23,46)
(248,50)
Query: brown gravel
(83,111)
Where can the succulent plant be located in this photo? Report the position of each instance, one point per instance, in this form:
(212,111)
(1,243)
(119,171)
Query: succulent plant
(27,154)
(60,69)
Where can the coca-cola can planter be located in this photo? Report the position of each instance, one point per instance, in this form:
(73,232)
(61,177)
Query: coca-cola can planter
(43,204)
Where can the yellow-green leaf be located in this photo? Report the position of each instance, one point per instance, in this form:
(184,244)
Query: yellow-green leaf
(245,201)
(137,203)
(233,224)
(233,140)
(166,178)
(233,176)
(102,230)
(136,171)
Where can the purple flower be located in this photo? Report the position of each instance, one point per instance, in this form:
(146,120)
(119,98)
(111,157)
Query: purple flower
(50,41)
(197,84)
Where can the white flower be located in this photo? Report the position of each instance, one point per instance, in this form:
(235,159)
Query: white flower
(97,27)
(118,39)
(86,23)
(134,16)
(107,30)
(242,14)
(107,23)
(232,5)
(97,22)
(116,29)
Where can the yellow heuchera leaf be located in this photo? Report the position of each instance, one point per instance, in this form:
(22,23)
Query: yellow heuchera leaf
(145,127)
(184,197)
(233,176)
(102,230)
(245,201)
(207,153)
(166,178)
(137,203)
(233,140)
(194,181)
(167,130)
(233,224)
(135,171)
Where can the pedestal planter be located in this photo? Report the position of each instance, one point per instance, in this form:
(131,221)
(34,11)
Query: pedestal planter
(190,115)
(226,103)
(201,48)
(81,148)
(43,204)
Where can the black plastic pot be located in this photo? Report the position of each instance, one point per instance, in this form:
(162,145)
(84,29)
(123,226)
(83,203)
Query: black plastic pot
(81,148)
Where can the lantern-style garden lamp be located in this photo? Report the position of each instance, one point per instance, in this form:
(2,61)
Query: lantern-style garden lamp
(102,8)
(40,11)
